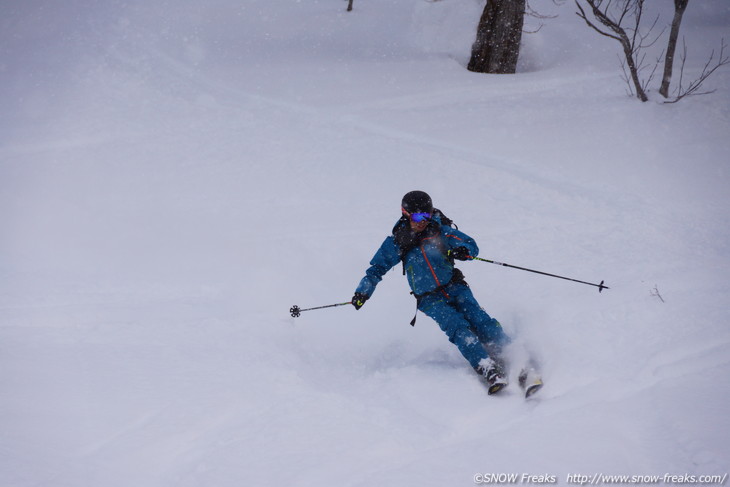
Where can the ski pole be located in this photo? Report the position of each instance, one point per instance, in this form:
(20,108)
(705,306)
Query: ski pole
(296,310)
(600,286)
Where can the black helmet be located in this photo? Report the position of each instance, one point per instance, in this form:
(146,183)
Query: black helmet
(417,202)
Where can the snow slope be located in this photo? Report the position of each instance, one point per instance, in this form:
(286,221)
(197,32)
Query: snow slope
(175,175)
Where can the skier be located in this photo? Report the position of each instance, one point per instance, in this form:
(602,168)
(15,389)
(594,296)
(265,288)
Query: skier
(427,245)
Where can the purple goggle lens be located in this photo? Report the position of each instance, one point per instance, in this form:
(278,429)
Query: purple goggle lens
(419,217)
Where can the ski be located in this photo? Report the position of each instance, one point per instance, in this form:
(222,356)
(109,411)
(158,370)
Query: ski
(530,381)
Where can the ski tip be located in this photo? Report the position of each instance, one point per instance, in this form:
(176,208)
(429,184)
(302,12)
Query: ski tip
(532,389)
(495,388)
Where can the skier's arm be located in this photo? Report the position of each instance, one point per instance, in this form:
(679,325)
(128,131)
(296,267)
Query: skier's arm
(384,259)
(456,238)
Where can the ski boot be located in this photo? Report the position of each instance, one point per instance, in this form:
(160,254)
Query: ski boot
(494,374)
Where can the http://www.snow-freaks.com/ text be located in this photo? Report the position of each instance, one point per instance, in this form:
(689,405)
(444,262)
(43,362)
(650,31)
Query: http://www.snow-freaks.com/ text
(599,479)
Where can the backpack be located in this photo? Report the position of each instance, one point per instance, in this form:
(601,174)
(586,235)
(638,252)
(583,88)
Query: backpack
(445,220)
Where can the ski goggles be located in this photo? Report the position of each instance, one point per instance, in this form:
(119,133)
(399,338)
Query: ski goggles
(418,217)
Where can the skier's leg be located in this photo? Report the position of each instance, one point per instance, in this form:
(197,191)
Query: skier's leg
(487,329)
(452,323)
(489,332)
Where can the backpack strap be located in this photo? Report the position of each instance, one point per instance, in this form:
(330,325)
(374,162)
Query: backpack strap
(456,278)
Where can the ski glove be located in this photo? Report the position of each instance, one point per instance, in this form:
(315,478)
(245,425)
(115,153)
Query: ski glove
(358,300)
(460,253)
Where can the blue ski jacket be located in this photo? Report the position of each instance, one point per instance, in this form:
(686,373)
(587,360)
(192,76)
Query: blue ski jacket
(426,265)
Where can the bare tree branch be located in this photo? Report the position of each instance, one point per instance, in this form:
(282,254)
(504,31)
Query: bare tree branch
(707,70)
(630,45)
(582,15)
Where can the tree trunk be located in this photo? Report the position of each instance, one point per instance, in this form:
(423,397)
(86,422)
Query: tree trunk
(679,7)
(629,54)
(497,45)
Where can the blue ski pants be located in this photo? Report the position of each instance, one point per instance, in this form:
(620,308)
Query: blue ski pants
(466,324)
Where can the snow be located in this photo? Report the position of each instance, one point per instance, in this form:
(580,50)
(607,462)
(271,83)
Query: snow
(175,175)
